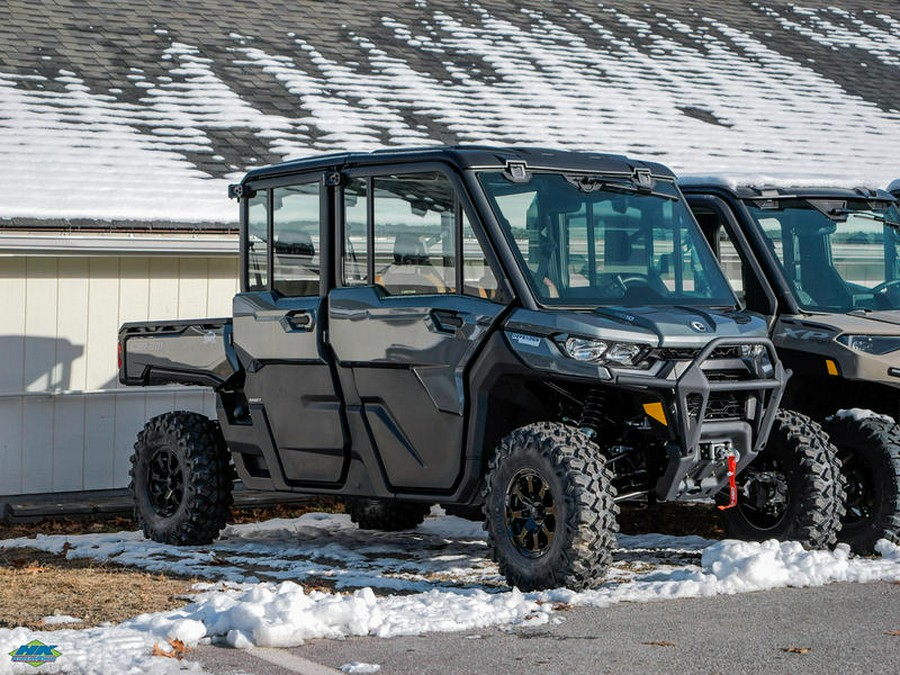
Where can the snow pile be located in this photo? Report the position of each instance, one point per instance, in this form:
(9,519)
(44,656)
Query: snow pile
(729,567)
(859,414)
(284,615)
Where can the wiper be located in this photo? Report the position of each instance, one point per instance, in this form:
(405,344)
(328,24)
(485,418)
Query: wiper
(591,184)
(843,213)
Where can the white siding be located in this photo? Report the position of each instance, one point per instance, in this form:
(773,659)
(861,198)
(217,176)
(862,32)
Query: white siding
(65,422)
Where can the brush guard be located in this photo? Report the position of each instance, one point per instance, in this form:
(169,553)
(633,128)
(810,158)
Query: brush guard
(698,465)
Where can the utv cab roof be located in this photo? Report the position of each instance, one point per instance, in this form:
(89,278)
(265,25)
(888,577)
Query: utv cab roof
(467,157)
(746,188)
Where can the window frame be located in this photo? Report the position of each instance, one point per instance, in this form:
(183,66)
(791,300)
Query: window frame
(462,205)
(269,185)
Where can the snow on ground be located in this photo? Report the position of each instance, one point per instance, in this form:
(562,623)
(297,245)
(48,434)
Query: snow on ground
(435,578)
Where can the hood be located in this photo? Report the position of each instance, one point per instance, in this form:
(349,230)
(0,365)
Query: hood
(890,317)
(678,326)
(879,322)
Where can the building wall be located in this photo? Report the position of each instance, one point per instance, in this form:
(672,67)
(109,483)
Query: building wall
(65,422)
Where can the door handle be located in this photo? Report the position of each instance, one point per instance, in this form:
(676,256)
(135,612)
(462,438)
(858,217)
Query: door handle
(298,319)
(446,320)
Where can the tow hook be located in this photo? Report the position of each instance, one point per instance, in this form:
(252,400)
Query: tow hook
(732,486)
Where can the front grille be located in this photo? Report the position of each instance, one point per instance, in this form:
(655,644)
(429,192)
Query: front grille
(733,352)
(727,375)
(722,405)
(726,405)
(689,353)
(675,353)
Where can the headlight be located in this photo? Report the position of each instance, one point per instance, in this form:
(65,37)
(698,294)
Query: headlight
(752,351)
(584,349)
(871,344)
(603,351)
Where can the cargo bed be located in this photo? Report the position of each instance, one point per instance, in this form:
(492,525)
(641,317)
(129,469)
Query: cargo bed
(190,351)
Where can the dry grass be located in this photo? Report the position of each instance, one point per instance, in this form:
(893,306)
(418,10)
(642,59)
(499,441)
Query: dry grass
(35,584)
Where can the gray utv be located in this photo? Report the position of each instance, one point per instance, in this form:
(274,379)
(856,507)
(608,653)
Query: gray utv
(824,264)
(535,334)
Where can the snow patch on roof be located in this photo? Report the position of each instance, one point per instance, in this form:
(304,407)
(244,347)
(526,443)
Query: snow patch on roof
(716,99)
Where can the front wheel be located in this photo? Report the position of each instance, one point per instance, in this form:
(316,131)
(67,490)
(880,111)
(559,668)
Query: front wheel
(181,479)
(549,509)
(793,491)
(869,449)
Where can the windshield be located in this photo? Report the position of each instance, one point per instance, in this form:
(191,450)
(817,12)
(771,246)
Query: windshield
(595,240)
(836,255)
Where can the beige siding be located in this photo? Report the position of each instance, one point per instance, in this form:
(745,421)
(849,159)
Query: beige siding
(65,422)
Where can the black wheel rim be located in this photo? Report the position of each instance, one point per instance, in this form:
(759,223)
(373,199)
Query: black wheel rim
(165,483)
(861,498)
(765,496)
(530,513)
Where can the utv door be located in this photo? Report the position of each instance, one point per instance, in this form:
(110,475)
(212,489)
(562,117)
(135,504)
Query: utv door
(279,324)
(417,301)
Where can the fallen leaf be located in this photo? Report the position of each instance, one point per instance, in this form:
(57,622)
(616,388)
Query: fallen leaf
(797,650)
(894,633)
(179,649)
(159,651)
(660,643)
(19,562)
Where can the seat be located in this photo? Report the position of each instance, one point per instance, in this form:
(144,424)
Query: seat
(296,271)
(411,273)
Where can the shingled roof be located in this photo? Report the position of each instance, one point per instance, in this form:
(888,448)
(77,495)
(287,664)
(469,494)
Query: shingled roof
(140,110)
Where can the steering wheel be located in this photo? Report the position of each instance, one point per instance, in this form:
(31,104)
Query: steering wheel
(885,286)
(620,283)
(626,281)
(887,293)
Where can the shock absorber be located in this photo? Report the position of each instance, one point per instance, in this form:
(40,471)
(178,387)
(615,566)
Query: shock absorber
(592,410)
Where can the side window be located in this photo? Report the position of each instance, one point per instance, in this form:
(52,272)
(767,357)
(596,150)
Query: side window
(743,280)
(415,233)
(258,242)
(355,254)
(731,264)
(478,278)
(296,215)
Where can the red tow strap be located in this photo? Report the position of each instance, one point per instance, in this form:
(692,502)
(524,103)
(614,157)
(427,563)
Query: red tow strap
(732,487)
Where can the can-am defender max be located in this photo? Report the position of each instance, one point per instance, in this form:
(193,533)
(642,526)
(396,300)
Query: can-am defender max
(538,333)
(824,264)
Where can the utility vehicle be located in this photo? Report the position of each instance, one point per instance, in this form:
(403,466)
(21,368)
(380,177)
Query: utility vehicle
(534,333)
(824,264)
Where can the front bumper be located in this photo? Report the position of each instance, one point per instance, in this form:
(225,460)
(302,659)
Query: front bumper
(697,463)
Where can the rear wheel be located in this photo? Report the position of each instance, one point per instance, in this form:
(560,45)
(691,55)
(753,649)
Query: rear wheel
(793,490)
(388,515)
(549,508)
(869,449)
(181,479)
